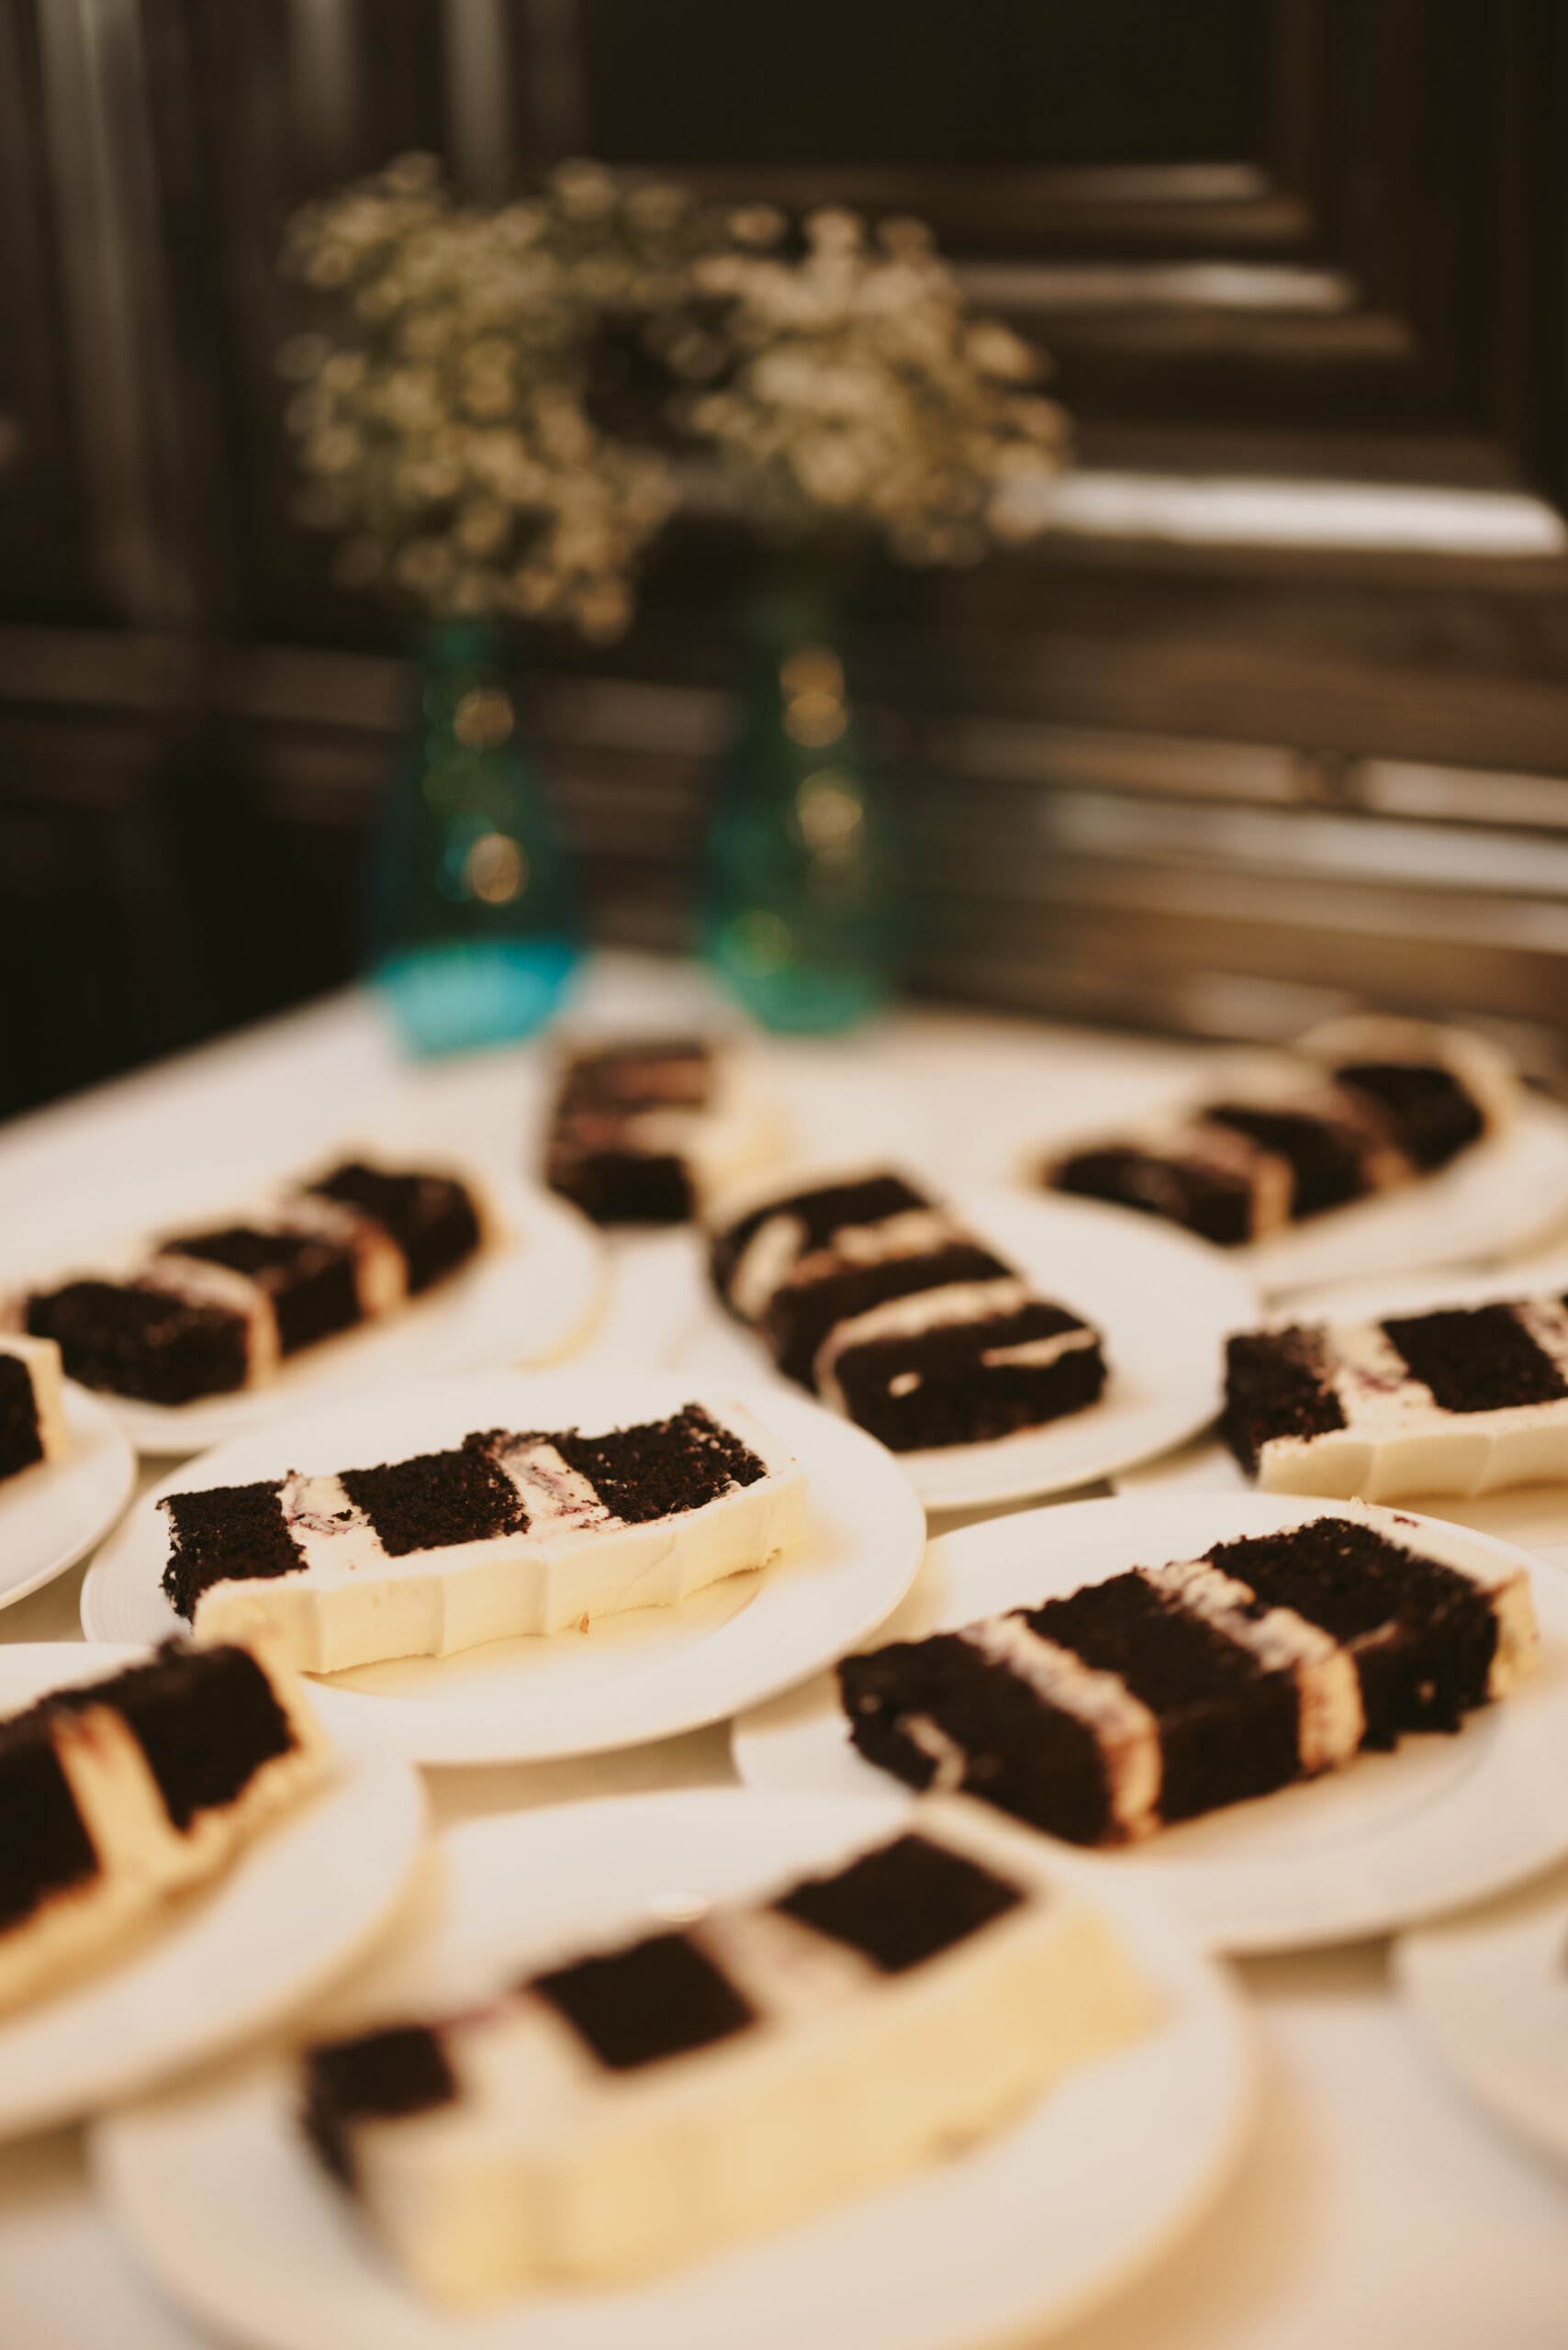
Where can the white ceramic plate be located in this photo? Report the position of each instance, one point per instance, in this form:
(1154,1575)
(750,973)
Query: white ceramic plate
(296,1908)
(1497,1198)
(1163,1301)
(526,1297)
(1489,1990)
(217,2194)
(1393,1838)
(641,1675)
(53,1514)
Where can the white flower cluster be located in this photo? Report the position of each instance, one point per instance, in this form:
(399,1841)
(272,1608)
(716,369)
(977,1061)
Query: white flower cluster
(445,430)
(854,388)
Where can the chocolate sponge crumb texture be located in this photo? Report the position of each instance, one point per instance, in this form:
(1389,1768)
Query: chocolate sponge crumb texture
(1165,1693)
(119,1793)
(649,2101)
(1352,1111)
(32,1405)
(1463,1400)
(880,1302)
(508,1532)
(212,1310)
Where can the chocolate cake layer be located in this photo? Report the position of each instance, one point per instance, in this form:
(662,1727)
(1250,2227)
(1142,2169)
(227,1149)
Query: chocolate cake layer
(1432,1115)
(1228,1729)
(436,1498)
(642,1473)
(432,1218)
(955,1384)
(143,1342)
(940,1712)
(310,1282)
(1422,1636)
(45,1847)
(21,1440)
(385,2075)
(1213,1201)
(1276,1384)
(593,1157)
(225,1533)
(1327,1158)
(1477,1358)
(662,1997)
(803,1311)
(207,1719)
(903,1904)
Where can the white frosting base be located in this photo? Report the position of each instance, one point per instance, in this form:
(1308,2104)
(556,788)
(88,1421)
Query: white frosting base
(40,1357)
(1399,1441)
(351,1604)
(552,2168)
(143,1858)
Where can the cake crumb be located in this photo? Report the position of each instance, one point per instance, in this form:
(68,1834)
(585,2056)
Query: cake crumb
(583,1621)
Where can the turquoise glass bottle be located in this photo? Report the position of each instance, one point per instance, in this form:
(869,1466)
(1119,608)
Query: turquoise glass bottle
(802,874)
(474,923)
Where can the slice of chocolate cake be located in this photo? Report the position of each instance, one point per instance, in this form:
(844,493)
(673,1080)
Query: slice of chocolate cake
(1357,1107)
(885,1306)
(432,1220)
(663,2098)
(32,1406)
(118,1794)
(1163,1694)
(505,1534)
(644,1130)
(1463,1400)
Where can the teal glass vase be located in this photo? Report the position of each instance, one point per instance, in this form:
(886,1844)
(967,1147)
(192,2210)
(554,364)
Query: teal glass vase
(802,886)
(474,923)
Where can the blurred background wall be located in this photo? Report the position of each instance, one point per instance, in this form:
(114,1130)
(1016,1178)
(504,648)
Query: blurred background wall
(1275,713)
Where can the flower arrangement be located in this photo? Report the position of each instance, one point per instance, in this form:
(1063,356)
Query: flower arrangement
(446,420)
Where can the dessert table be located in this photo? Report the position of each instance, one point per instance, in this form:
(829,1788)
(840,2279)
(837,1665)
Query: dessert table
(1374,2203)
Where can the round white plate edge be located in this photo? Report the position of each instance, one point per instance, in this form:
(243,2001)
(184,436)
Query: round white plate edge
(1246,1932)
(369,1778)
(1512,2094)
(359,1715)
(84,1409)
(1210,2011)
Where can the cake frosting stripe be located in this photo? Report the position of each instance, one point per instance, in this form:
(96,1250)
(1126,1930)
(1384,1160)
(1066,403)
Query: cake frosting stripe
(634,2106)
(1161,1694)
(32,1405)
(507,1533)
(880,1302)
(119,1793)
(1463,1400)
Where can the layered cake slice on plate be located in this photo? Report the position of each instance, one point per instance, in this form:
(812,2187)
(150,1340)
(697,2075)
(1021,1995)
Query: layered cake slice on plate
(1353,1110)
(638,2105)
(1463,1400)
(214,1310)
(644,1130)
(881,1302)
(507,1533)
(1165,1693)
(32,1407)
(117,1795)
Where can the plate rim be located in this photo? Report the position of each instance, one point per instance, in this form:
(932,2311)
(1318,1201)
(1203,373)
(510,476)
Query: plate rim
(82,1405)
(1246,1930)
(363,1714)
(1207,1998)
(365,1776)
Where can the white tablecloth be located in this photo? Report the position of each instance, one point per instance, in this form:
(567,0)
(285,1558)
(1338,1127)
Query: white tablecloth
(1375,2206)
